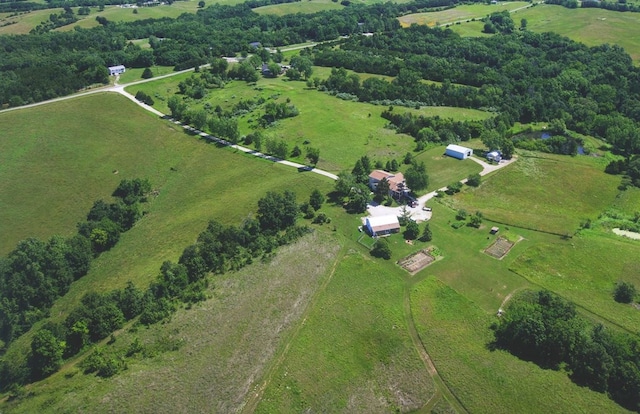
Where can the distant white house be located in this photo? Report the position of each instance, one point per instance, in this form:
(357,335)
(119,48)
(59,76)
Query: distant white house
(457,151)
(116,70)
(382,225)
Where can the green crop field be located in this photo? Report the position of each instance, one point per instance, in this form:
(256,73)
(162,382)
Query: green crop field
(544,192)
(459,13)
(342,130)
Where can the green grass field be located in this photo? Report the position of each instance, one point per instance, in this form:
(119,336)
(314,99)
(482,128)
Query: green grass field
(304,7)
(135,74)
(342,130)
(323,326)
(590,26)
(586,271)
(444,170)
(227,343)
(456,333)
(353,353)
(545,192)
(459,13)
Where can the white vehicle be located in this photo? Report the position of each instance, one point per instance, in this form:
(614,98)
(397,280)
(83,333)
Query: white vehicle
(425,208)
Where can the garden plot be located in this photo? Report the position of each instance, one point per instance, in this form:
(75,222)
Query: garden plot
(418,261)
(500,248)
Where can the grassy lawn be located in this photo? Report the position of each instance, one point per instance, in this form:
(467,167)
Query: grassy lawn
(590,26)
(227,342)
(342,130)
(443,170)
(455,332)
(54,169)
(353,353)
(546,192)
(464,12)
(305,7)
(135,74)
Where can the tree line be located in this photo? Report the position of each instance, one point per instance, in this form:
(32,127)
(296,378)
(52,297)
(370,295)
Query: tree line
(36,272)
(59,63)
(219,248)
(522,77)
(546,329)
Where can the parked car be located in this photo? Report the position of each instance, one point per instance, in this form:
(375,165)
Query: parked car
(425,208)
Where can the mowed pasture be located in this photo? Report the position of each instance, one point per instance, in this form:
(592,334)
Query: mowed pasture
(590,26)
(353,353)
(544,192)
(459,13)
(455,332)
(586,271)
(342,130)
(54,169)
(225,343)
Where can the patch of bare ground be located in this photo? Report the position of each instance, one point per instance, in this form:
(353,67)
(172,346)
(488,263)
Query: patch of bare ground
(228,340)
(500,247)
(417,261)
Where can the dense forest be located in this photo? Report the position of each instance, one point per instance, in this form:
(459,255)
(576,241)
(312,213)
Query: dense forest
(521,76)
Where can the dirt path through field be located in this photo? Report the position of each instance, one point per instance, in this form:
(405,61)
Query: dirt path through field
(255,396)
(441,387)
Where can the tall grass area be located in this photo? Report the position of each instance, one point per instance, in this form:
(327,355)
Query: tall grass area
(210,355)
(456,332)
(544,192)
(353,353)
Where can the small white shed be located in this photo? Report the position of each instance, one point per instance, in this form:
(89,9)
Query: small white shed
(458,151)
(116,70)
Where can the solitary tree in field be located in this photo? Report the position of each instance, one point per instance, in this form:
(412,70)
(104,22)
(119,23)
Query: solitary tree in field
(313,155)
(316,199)
(624,293)
(474,180)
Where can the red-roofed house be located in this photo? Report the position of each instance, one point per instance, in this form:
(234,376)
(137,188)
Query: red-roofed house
(397,186)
